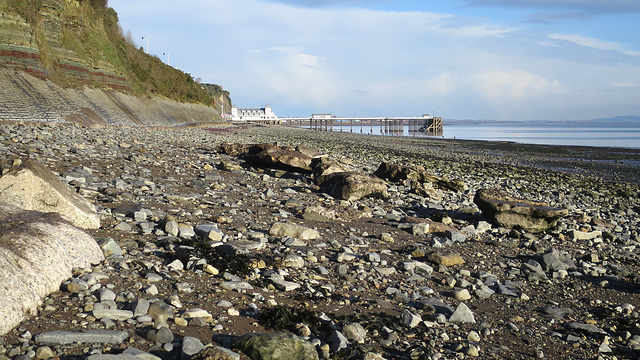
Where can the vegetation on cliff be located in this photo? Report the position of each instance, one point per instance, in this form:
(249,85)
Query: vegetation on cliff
(84,37)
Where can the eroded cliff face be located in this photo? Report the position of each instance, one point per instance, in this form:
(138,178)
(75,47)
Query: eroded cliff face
(49,44)
(66,61)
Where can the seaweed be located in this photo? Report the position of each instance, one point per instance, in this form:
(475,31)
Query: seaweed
(283,317)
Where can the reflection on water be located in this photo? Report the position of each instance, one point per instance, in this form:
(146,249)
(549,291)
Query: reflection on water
(586,134)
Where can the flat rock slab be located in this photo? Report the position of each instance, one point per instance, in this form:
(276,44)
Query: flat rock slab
(32,186)
(115,357)
(89,337)
(510,212)
(236,285)
(38,253)
(285,285)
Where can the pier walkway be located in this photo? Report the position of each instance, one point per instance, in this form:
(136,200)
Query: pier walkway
(385,125)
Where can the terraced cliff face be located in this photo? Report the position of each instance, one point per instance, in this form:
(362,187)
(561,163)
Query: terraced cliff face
(66,61)
(47,45)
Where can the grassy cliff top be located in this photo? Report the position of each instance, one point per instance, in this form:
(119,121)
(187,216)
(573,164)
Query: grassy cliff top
(87,32)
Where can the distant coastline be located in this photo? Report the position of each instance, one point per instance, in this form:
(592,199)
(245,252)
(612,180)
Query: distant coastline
(630,120)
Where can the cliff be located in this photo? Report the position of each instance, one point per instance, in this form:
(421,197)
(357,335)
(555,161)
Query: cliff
(68,59)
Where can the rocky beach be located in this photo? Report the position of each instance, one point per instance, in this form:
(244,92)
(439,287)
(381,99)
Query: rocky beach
(266,242)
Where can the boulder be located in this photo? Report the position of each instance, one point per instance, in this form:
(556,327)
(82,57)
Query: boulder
(399,173)
(37,253)
(325,166)
(273,156)
(425,190)
(31,186)
(241,150)
(509,212)
(277,346)
(352,186)
(282,158)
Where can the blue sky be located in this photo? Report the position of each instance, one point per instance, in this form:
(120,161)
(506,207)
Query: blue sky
(462,59)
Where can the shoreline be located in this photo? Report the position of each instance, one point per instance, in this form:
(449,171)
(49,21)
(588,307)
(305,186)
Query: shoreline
(610,163)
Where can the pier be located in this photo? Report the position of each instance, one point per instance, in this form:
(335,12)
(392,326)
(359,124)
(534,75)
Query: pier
(425,124)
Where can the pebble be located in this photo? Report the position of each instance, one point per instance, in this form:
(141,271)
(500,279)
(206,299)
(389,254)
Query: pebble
(255,212)
(44,352)
(410,319)
(462,295)
(462,314)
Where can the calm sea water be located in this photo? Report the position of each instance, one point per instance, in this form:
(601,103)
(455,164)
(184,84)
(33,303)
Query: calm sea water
(588,133)
(579,133)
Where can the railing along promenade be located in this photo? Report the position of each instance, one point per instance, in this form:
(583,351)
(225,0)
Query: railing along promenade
(385,125)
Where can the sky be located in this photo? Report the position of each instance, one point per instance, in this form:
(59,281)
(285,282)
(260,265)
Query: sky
(458,59)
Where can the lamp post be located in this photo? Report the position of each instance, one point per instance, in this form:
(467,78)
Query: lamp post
(147,37)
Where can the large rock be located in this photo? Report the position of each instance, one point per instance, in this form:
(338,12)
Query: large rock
(273,156)
(37,253)
(241,150)
(352,186)
(399,173)
(32,186)
(509,212)
(282,158)
(276,346)
(324,166)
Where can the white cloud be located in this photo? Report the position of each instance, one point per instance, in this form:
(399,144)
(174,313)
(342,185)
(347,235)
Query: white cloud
(585,6)
(478,31)
(506,85)
(624,85)
(292,74)
(593,43)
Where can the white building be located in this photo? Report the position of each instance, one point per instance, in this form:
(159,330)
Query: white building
(263,114)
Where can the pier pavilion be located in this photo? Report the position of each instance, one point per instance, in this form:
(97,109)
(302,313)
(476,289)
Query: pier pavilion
(264,114)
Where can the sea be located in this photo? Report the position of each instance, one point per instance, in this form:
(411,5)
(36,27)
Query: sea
(624,134)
